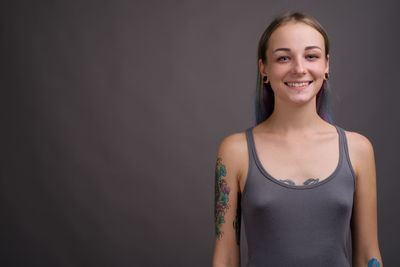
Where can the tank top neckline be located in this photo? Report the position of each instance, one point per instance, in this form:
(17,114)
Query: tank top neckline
(309,186)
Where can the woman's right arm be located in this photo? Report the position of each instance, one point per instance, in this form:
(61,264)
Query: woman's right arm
(227,196)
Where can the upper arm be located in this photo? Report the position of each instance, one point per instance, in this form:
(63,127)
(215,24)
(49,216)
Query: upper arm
(226,204)
(364,221)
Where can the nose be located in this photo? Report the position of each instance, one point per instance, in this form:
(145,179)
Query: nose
(298,67)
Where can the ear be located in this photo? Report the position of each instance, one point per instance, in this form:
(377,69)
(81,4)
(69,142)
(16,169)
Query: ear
(327,64)
(262,68)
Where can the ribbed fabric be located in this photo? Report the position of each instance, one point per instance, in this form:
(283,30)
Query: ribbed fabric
(298,225)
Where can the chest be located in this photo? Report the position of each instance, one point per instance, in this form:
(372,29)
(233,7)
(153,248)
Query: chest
(298,161)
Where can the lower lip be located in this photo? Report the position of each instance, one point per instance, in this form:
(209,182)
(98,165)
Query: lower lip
(299,88)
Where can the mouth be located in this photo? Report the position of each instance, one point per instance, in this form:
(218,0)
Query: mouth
(298,85)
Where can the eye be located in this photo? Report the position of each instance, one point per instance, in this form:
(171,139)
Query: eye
(282,58)
(312,57)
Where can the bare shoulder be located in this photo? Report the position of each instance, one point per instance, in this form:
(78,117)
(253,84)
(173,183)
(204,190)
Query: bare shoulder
(361,150)
(233,148)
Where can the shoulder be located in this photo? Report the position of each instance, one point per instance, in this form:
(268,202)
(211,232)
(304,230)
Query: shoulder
(233,150)
(360,149)
(358,143)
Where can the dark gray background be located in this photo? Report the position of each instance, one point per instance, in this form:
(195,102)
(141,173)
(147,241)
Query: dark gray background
(112,113)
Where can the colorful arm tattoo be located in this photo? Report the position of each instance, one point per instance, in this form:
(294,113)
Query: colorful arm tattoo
(373,263)
(221,197)
(237,221)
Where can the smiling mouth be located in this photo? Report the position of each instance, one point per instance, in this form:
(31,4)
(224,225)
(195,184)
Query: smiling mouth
(298,84)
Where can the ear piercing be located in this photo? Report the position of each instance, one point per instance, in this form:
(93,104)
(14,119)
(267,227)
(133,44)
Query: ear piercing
(265,78)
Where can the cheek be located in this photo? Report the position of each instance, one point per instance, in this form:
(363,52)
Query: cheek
(318,71)
(278,71)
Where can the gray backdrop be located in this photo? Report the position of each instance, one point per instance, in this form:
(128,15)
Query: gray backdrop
(112,113)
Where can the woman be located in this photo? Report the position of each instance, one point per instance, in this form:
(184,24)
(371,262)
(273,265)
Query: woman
(305,187)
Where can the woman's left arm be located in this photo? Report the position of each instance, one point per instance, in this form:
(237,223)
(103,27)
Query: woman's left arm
(366,251)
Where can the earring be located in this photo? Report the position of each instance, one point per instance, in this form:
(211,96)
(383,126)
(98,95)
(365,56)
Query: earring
(327,76)
(265,78)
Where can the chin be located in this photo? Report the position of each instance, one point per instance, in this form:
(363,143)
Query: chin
(301,99)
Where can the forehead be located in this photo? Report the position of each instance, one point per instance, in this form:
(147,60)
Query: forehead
(295,35)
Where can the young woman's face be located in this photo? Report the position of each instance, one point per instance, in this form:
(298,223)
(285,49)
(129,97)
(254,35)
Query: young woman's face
(296,62)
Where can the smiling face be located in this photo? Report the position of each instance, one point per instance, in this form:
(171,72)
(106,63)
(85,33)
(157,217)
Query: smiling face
(296,62)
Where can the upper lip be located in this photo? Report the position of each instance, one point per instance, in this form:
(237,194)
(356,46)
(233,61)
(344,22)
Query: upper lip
(298,81)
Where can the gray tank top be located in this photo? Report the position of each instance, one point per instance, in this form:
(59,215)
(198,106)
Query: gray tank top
(298,225)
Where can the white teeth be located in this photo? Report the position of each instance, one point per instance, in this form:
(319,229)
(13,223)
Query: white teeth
(297,84)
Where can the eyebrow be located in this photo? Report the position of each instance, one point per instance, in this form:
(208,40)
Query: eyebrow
(288,49)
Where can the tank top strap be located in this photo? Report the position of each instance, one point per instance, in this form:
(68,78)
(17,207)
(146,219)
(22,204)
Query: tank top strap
(345,150)
(250,146)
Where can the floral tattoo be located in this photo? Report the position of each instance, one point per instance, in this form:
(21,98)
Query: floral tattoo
(373,263)
(221,197)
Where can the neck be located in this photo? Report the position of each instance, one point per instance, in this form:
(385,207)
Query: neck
(294,118)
